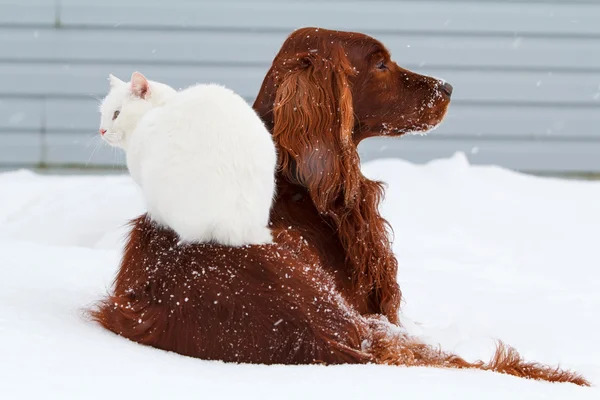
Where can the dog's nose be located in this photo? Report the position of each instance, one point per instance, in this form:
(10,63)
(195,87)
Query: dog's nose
(447,89)
(102,131)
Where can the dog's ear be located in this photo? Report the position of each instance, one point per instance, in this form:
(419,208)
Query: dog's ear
(312,124)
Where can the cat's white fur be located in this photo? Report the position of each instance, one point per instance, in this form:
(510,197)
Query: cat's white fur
(203,158)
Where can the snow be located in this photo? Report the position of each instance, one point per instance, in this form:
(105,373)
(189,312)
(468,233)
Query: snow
(485,253)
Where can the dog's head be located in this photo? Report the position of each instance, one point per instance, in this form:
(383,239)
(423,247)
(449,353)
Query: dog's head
(328,90)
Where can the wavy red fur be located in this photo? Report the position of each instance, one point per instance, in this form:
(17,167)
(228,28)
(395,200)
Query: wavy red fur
(326,290)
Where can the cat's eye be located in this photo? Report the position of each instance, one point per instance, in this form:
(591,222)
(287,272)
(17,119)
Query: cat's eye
(116,114)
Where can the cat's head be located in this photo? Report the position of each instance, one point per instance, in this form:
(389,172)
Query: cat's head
(126,104)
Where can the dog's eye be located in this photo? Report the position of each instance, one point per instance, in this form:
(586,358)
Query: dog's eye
(116,114)
(381,65)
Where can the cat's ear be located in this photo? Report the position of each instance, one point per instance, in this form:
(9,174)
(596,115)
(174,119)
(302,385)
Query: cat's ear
(139,85)
(114,81)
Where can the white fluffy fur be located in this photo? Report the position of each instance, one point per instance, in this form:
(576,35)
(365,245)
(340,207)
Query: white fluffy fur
(202,157)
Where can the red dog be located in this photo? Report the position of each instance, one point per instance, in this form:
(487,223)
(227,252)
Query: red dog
(324,292)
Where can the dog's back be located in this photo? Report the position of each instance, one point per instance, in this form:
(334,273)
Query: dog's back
(253,304)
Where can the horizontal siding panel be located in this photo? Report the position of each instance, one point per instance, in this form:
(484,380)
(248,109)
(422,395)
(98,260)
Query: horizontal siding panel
(21,148)
(153,46)
(255,47)
(88,80)
(521,123)
(28,12)
(73,115)
(18,114)
(82,117)
(518,86)
(69,149)
(497,17)
(535,156)
(471,86)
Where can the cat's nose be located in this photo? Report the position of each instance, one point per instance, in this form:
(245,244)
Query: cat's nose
(102,131)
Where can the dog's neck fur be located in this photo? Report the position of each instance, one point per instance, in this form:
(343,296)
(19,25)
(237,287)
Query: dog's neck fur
(358,234)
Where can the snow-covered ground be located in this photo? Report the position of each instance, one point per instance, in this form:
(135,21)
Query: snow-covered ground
(485,254)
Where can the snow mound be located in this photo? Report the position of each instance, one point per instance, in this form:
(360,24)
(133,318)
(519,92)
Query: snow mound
(485,253)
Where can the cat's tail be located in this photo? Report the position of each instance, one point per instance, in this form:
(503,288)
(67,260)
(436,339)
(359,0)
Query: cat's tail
(387,346)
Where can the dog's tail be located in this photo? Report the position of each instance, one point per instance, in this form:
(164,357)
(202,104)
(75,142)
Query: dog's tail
(393,348)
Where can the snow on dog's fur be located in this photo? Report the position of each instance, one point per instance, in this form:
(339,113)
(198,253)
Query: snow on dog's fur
(202,156)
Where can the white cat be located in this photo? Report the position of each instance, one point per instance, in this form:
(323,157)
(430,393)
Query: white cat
(203,158)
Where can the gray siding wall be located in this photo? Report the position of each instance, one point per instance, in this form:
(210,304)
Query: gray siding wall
(526,73)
